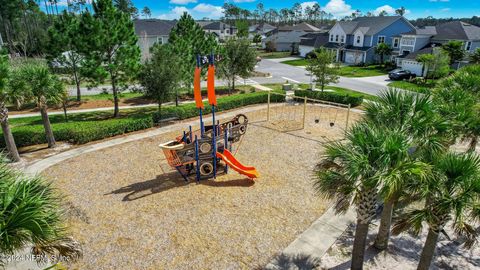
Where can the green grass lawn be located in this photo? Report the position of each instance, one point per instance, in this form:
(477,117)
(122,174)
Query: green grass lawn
(420,88)
(352,71)
(273,55)
(107,96)
(296,62)
(336,89)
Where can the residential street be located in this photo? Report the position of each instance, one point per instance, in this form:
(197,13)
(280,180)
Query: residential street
(280,73)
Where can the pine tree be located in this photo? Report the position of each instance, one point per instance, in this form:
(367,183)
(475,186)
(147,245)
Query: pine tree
(64,46)
(110,46)
(188,39)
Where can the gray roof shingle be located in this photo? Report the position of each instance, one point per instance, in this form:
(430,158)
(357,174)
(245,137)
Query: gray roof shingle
(457,30)
(153,27)
(454,30)
(368,25)
(315,40)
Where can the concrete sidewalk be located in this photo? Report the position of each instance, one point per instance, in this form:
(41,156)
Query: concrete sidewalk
(313,243)
(257,86)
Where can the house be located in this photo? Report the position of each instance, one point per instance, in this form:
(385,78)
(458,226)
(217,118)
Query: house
(423,40)
(261,29)
(221,30)
(287,38)
(354,41)
(312,41)
(150,32)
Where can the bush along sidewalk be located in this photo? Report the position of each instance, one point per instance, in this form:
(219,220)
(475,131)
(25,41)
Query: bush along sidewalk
(223,104)
(330,96)
(84,131)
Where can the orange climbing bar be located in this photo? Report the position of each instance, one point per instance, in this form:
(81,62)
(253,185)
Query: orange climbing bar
(212,99)
(197,89)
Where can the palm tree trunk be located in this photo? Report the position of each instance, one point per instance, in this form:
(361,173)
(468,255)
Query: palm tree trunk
(381,242)
(428,250)
(473,144)
(7,134)
(48,127)
(359,243)
(366,206)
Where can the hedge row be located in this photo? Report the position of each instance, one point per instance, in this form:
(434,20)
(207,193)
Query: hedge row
(330,96)
(80,132)
(223,104)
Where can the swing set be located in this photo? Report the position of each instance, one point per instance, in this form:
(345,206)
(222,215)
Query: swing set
(286,111)
(201,152)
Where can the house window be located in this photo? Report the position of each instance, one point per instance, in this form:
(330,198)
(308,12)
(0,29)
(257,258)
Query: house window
(381,39)
(228,31)
(468,45)
(358,39)
(395,42)
(405,52)
(331,38)
(160,40)
(408,41)
(343,39)
(336,38)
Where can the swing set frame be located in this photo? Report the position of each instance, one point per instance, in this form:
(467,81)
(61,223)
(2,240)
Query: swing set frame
(305,101)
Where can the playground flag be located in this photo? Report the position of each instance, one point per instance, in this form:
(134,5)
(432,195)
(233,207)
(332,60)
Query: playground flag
(197,89)
(212,99)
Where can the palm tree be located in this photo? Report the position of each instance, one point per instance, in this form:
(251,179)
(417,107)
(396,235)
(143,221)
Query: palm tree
(4,97)
(457,99)
(419,133)
(383,49)
(146,12)
(43,88)
(453,196)
(350,173)
(475,57)
(31,216)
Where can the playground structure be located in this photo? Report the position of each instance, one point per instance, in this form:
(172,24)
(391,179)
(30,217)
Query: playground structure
(292,115)
(201,151)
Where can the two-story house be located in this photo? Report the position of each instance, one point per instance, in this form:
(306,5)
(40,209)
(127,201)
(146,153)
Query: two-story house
(354,41)
(423,40)
(285,38)
(222,31)
(261,29)
(151,31)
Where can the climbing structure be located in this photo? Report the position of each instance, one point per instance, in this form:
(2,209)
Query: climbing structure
(201,152)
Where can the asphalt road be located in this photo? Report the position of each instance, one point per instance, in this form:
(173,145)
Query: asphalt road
(280,73)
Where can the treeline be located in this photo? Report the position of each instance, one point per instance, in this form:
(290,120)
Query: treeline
(24,24)
(286,16)
(431,21)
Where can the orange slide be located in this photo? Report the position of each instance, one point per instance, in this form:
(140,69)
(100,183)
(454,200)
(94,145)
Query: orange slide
(236,165)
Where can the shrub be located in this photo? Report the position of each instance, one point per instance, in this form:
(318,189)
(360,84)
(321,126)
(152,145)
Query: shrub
(86,130)
(330,96)
(311,55)
(79,132)
(225,103)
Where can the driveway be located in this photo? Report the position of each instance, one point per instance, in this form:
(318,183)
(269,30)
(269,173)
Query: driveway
(282,73)
(381,80)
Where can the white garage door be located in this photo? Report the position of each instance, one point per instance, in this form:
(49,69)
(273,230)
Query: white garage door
(353,57)
(303,50)
(412,66)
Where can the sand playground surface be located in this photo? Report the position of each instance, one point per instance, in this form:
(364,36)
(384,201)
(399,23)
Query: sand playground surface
(130,210)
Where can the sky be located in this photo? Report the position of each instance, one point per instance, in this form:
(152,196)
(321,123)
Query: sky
(172,9)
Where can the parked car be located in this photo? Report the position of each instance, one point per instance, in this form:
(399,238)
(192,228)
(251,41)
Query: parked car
(400,74)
